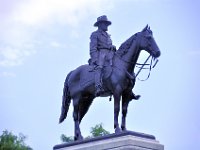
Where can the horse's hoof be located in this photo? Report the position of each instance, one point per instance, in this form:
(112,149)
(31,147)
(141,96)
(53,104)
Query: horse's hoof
(124,129)
(118,130)
(78,138)
(81,137)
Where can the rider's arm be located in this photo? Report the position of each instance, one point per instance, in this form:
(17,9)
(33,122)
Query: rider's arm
(93,43)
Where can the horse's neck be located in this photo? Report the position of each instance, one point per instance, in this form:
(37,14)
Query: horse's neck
(129,59)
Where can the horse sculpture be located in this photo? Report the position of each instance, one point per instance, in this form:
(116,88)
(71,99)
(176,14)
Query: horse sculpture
(118,80)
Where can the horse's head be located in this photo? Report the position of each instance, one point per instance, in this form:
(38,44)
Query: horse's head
(148,43)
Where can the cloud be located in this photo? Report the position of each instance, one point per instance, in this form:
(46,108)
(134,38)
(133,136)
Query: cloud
(56,44)
(10,56)
(71,12)
(22,22)
(7,74)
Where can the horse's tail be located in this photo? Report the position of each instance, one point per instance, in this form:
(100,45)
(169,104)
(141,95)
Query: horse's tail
(66,100)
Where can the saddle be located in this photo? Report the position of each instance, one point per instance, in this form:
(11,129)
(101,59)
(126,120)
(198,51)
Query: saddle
(88,75)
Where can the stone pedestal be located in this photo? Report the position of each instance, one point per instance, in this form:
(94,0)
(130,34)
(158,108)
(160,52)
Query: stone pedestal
(124,141)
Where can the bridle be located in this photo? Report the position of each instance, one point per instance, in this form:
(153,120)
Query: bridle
(151,65)
(141,66)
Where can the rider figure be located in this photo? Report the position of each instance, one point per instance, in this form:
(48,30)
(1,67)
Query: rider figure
(100,46)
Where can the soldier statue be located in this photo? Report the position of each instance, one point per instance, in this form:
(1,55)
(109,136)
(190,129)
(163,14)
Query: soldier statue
(100,48)
(115,69)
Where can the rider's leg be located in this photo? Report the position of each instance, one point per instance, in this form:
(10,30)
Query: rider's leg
(98,74)
(98,84)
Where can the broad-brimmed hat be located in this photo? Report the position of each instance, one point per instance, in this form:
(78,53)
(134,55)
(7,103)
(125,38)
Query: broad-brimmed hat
(102,19)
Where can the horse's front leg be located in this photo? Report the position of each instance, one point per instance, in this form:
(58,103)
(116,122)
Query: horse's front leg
(117,96)
(77,131)
(125,103)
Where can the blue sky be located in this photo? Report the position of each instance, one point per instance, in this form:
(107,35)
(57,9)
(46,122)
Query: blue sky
(42,40)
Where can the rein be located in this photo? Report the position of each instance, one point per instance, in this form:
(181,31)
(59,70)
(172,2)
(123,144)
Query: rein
(142,67)
(145,64)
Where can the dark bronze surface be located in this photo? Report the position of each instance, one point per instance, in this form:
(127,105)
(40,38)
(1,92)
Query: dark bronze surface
(117,79)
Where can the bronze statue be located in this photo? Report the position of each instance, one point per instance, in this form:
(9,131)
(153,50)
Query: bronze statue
(118,79)
(101,48)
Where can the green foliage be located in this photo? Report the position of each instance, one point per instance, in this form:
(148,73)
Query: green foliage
(8,141)
(65,138)
(96,131)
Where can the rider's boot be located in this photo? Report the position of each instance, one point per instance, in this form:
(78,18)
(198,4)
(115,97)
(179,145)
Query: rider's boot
(135,97)
(98,82)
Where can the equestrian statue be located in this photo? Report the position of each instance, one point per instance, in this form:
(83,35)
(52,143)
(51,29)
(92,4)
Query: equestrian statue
(110,72)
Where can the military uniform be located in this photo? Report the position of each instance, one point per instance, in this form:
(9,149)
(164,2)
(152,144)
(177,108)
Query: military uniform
(100,46)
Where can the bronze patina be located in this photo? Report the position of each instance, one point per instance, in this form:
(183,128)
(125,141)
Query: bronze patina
(109,73)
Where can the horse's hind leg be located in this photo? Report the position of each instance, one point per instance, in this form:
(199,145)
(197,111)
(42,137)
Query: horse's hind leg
(84,106)
(77,131)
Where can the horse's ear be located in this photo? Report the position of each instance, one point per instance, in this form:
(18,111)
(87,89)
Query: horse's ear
(145,28)
(149,28)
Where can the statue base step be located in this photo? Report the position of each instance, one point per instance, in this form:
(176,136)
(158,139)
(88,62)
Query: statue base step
(128,140)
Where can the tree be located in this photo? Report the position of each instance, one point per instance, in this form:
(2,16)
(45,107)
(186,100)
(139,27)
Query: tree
(65,138)
(8,141)
(98,130)
(95,131)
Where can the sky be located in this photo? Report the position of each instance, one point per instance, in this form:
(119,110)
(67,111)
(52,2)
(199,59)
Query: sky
(41,41)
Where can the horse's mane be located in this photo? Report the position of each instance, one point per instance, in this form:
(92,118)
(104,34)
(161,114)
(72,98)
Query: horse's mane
(123,49)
